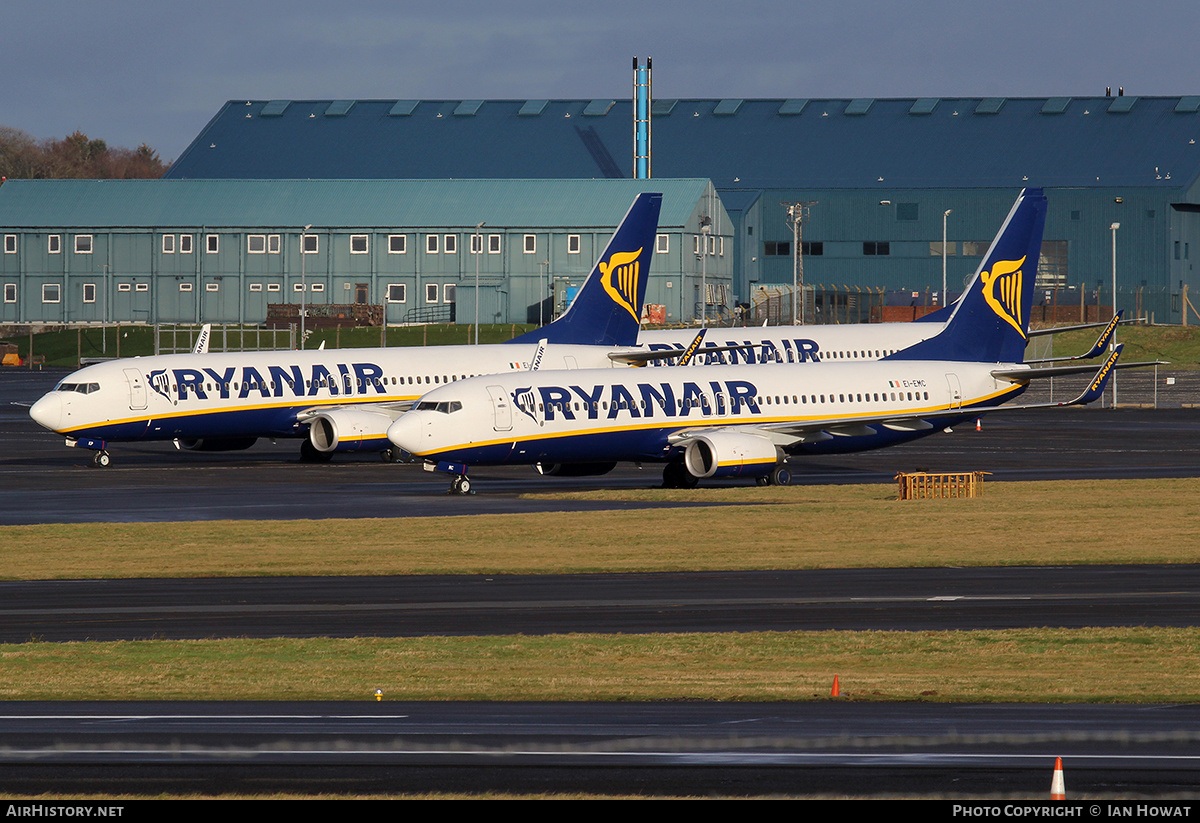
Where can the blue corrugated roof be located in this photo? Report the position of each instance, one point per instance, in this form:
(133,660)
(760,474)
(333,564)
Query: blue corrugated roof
(765,143)
(331,203)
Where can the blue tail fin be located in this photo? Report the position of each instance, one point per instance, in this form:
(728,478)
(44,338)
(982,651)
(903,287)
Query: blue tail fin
(608,309)
(990,324)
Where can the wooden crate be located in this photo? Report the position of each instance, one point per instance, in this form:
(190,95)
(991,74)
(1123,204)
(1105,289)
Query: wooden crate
(925,485)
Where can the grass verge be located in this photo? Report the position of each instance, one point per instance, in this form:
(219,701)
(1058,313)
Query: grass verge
(1028,665)
(798,527)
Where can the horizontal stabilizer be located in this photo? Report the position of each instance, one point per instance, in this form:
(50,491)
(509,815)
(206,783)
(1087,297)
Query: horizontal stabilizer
(1097,347)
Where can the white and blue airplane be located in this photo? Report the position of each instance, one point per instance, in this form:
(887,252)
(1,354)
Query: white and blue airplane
(745,420)
(343,399)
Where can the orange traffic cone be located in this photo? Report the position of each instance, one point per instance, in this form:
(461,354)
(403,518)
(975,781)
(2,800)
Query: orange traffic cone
(1057,790)
(836,691)
(978,424)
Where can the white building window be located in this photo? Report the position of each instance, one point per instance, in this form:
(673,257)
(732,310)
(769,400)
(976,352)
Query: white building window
(185,286)
(51,293)
(476,244)
(317,287)
(450,243)
(397,244)
(212,286)
(168,246)
(10,244)
(273,244)
(10,292)
(54,244)
(397,293)
(185,244)
(213,242)
(493,244)
(358,244)
(256,287)
(89,292)
(531,244)
(431,293)
(297,287)
(662,244)
(141,287)
(83,244)
(309,244)
(124,287)
(256,243)
(449,293)
(272,287)
(572,244)
(431,244)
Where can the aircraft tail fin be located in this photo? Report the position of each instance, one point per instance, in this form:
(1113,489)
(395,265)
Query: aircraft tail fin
(608,309)
(990,323)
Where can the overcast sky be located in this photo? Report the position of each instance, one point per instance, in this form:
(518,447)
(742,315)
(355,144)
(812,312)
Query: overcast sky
(136,71)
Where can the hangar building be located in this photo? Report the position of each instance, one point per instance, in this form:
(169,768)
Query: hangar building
(880,174)
(221,251)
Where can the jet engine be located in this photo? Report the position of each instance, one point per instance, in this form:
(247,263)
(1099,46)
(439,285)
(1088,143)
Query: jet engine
(217,444)
(346,430)
(730,454)
(574,469)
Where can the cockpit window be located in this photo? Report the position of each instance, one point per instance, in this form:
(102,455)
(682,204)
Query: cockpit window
(82,388)
(445,407)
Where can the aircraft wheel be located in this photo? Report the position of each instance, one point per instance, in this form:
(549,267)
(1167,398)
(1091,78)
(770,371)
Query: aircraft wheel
(460,485)
(764,480)
(781,476)
(101,460)
(309,453)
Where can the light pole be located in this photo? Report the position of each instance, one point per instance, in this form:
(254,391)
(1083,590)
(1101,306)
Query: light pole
(945,299)
(544,276)
(705,229)
(1112,345)
(477,246)
(303,282)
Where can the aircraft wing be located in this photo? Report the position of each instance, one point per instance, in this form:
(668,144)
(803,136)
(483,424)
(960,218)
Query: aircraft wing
(790,433)
(390,410)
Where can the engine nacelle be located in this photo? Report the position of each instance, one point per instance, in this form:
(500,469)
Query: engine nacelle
(217,444)
(574,469)
(730,454)
(347,430)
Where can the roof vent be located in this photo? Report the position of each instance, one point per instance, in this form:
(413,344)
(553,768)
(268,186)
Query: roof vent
(339,108)
(533,108)
(990,105)
(793,106)
(403,108)
(1056,105)
(860,106)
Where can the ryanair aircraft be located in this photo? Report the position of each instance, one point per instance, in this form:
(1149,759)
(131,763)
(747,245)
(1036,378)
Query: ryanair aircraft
(345,399)
(745,420)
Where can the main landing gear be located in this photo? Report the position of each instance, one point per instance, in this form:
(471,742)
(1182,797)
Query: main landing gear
(461,484)
(101,459)
(310,454)
(676,476)
(781,475)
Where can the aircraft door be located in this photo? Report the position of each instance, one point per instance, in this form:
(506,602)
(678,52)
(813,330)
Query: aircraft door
(501,409)
(137,389)
(955,390)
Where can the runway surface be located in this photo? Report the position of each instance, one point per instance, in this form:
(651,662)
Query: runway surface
(914,749)
(853,599)
(43,481)
(949,751)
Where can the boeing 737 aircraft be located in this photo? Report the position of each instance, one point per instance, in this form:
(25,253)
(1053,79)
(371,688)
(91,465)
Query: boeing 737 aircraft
(344,399)
(744,420)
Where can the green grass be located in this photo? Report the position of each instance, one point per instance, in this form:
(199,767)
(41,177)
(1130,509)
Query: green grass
(1130,665)
(793,527)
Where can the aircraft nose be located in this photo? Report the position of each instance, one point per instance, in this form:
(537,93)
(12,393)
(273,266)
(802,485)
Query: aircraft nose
(48,411)
(405,432)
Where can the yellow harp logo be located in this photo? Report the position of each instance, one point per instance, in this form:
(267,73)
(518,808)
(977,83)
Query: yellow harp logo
(1002,290)
(621,274)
